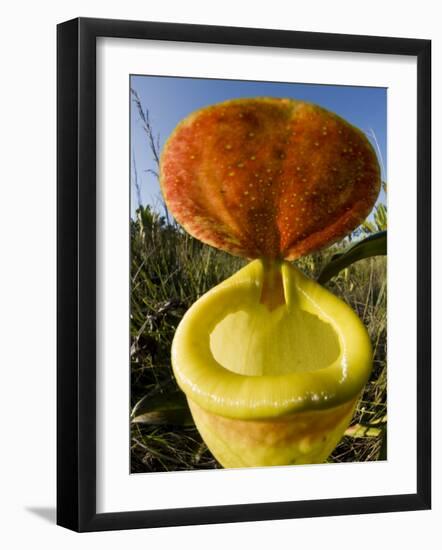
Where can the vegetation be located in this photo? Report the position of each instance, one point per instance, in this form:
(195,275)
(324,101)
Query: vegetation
(170,270)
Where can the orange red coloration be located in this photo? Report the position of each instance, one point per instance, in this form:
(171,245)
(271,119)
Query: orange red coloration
(268,177)
(307,437)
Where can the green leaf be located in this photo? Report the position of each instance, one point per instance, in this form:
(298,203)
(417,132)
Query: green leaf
(360,430)
(376,428)
(162,409)
(374,245)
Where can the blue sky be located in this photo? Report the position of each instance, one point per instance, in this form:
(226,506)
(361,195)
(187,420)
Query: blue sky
(170,99)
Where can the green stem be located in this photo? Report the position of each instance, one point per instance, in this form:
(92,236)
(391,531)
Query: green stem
(272,294)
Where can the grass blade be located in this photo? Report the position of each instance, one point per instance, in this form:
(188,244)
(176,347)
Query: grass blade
(163,409)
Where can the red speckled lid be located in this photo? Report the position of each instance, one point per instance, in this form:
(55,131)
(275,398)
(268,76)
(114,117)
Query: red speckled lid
(268,177)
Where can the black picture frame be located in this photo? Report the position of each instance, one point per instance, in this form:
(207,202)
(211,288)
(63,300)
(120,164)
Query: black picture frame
(76,273)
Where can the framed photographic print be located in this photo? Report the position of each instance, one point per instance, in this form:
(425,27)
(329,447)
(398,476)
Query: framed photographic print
(234,341)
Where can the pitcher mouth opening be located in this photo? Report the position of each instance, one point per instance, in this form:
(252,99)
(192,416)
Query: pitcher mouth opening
(253,341)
